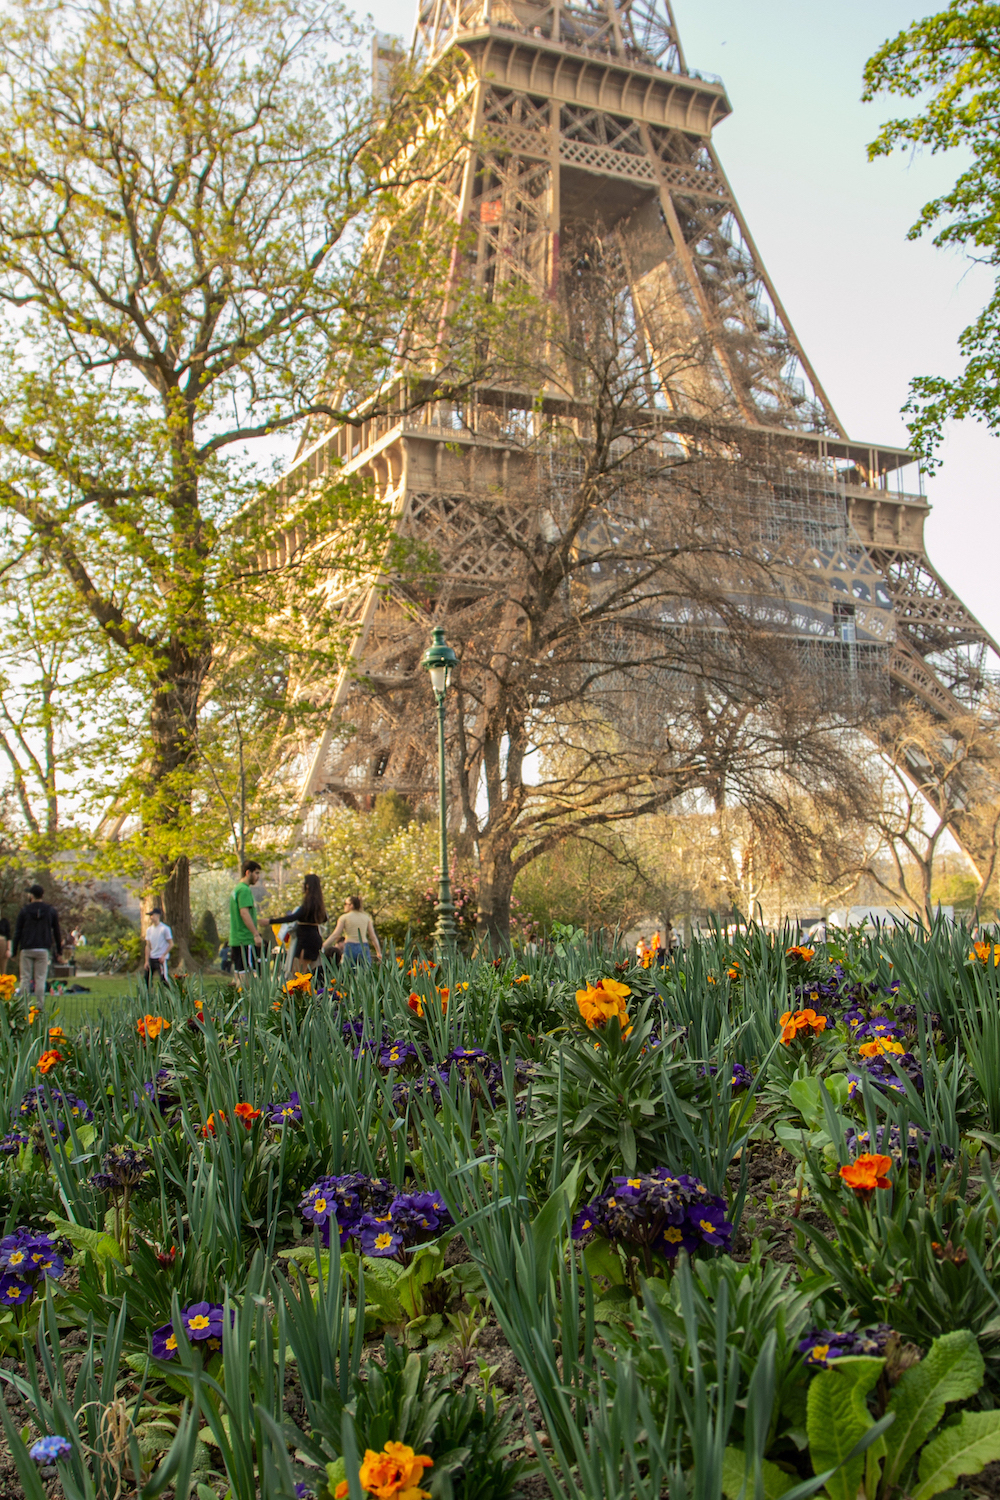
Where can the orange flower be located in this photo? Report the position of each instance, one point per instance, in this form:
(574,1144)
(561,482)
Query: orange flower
(733,972)
(33,1015)
(866,1173)
(600,1001)
(150,1027)
(416,1002)
(394,1474)
(56,1034)
(805,954)
(247,1114)
(982,952)
(879,1046)
(298,982)
(794,1021)
(522,979)
(8,984)
(209,1126)
(48,1060)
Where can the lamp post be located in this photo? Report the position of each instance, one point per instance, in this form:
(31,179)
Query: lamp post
(439,660)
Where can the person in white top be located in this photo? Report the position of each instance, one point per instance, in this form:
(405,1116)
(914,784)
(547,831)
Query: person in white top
(356,929)
(159,942)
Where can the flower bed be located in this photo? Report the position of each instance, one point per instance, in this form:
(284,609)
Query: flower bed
(557,1225)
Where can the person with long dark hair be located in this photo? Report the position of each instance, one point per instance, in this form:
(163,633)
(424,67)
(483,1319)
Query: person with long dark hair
(308,917)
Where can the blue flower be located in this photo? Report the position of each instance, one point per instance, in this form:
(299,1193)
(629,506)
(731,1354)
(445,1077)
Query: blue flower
(48,1450)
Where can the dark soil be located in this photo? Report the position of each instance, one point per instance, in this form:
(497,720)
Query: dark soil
(769,1214)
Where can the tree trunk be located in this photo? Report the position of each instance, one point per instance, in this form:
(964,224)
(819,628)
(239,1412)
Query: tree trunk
(167,809)
(496,887)
(177,906)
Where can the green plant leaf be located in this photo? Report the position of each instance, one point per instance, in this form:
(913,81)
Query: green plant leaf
(546,1224)
(952,1371)
(966,1448)
(804,1094)
(426,1265)
(382,1299)
(734,1476)
(837,1418)
(95,1242)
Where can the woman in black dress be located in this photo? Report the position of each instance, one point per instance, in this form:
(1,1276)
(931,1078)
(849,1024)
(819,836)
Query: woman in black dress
(308,918)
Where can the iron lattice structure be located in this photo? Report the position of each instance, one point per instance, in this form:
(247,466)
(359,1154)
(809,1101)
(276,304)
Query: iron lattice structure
(587,113)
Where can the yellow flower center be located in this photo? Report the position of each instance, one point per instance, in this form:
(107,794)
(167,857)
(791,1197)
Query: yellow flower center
(198,1322)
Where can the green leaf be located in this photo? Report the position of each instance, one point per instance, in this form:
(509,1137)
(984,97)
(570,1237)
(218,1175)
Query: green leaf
(952,1371)
(734,1476)
(966,1448)
(546,1224)
(804,1094)
(381,1297)
(791,1138)
(837,1418)
(419,1330)
(602,1259)
(426,1265)
(626,1144)
(102,1246)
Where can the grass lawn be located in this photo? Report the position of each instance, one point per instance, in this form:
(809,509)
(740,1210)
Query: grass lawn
(105,992)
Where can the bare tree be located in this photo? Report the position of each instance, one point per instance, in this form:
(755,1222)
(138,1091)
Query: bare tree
(621,591)
(926,781)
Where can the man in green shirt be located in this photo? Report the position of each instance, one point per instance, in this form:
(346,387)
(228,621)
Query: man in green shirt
(244,934)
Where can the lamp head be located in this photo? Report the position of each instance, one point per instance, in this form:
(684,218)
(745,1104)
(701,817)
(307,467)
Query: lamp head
(439,660)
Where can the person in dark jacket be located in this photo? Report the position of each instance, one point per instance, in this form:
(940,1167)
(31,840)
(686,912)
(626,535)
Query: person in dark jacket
(308,917)
(36,938)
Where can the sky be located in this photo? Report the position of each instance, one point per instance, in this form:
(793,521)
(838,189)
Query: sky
(871,308)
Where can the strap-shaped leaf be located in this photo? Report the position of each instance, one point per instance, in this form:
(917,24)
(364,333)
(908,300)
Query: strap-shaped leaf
(952,1371)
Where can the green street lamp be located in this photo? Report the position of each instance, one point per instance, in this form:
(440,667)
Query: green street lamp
(440,661)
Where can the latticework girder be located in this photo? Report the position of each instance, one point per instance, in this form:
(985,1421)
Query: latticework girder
(584,113)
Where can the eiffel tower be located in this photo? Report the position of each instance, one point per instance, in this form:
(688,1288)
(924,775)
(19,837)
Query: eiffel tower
(587,111)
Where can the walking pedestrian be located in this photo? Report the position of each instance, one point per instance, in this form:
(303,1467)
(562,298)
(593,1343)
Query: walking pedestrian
(356,929)
(308,916)
(245,939)
(159,942)
(37,938)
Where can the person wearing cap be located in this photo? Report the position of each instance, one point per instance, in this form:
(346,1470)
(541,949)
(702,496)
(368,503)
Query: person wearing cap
(159,942)
(36,938)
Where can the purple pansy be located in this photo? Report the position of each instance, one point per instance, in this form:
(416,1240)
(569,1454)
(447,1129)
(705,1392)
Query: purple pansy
(657,1212)
(202,1323)
(289,1111)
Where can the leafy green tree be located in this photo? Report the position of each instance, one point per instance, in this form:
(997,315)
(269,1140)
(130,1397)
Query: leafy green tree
(949,64)
(184,188)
